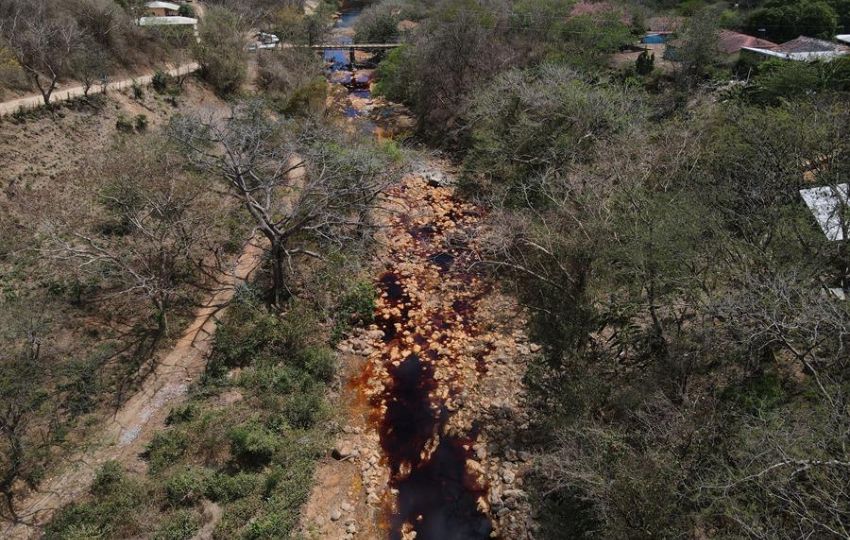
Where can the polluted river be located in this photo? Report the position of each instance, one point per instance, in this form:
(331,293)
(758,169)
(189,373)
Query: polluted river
(430,443)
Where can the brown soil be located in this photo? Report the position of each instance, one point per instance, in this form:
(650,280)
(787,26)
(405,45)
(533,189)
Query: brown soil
(124,436)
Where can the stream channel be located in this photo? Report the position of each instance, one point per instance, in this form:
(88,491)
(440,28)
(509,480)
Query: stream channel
(415,380)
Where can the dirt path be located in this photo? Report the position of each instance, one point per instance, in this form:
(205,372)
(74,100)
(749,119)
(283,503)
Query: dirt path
(63,94)
(125,435)
(431,446)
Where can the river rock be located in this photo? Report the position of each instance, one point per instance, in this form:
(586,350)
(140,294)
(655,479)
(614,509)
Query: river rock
(342,451)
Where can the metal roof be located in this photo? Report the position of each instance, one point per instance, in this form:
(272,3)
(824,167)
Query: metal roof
(829,205)
(162,5)
(804,44)
(167,21)
(798,56)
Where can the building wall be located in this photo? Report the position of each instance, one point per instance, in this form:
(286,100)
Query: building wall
(161,12)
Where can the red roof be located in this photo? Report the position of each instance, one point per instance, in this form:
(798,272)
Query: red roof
(730,42)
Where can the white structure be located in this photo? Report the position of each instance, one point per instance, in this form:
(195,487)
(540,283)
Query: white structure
(844,38)
(831,207)
(798,56)
(168,21)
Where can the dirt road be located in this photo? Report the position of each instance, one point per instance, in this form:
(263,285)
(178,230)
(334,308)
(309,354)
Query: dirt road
(63,94)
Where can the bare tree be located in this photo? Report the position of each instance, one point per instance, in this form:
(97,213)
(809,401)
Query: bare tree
(90,66)
(297,186)
(153,237)
(42,42)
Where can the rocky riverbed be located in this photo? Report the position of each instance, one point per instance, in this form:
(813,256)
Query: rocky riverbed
(434,400)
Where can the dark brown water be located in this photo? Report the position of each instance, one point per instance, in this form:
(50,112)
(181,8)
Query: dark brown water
(436,496)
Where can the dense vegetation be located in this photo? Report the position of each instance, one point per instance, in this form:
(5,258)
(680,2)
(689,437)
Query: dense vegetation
(251,433)
(695,376)
(693,380)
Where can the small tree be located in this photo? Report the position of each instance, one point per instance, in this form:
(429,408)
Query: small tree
(221,50)
(645,63)
(152,238)
(42,42)
(698,50)
(27,429)
(90,65)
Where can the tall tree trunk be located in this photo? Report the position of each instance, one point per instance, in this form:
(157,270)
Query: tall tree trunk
(278,286)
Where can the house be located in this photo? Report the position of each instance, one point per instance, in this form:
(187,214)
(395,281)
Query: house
(802,49)
(844,38)
(730,43)
(162,9)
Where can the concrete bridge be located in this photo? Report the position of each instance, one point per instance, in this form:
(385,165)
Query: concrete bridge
(356,46)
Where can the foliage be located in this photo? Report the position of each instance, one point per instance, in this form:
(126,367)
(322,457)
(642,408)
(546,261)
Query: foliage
(775,81)
(589,40)
(377,24)
(252,444)
(529,122)
(166,448)
(645,63)
(160,81)
(786,20)
(293,81)
(220,50)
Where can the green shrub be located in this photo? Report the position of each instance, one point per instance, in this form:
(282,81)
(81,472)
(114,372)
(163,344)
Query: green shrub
(357,307)
(377,24)
(187,486)
(320,362)
(182,413)
(160,82)
(138,91)
(226,488)
(141,122)
(124,124)
(181,525)
(166,448)
(220,51)
(302,410)
(113,513)
(252,444)
(107,477)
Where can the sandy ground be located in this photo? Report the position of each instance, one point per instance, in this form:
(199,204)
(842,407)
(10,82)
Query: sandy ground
(125,435)
(62,94)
